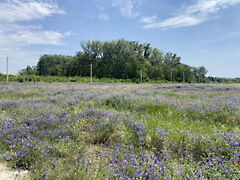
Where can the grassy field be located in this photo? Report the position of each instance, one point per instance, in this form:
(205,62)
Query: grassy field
(121,131)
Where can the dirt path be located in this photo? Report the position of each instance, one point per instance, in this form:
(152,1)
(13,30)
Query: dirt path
(8,174)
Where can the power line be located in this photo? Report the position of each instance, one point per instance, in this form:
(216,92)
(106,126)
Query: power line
(67,65)
(91,72)
(141,72)
(18,60)
(24,63)
(7,69)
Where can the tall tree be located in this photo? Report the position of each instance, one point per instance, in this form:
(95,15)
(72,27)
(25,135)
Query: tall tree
(202,71)
(120,59)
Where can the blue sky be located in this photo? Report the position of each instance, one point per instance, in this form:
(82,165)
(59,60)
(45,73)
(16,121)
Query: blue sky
(202,32)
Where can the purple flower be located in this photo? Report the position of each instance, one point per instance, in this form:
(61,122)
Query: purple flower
(8,158)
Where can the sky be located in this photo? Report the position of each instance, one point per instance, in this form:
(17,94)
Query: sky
(202,32)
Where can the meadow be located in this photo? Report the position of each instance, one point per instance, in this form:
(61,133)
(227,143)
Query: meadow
(120,130)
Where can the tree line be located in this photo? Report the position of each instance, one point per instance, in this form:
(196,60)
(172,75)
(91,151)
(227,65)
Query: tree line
(119,59)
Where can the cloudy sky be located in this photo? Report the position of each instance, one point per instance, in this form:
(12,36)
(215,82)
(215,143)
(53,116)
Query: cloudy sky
(202,32)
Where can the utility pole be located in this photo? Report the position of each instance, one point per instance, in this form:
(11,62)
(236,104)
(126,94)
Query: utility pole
(91,72)
(7,68)
(183,77)
(141,76)
(171,77)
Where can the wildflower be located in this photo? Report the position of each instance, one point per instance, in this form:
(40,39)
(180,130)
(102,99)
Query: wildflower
(235,163)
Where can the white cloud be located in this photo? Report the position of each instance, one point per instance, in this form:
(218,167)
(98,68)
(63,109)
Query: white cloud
(26,10)
(103,16)
(179,21)
(13,43)
(16,37)
(149,19)
(13,11)
(37,37)
(194,14)
(68,33)
(100,8)
(127,7)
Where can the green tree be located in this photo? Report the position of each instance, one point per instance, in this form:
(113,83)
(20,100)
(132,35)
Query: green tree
(202,71)
(120,59)
(29,70)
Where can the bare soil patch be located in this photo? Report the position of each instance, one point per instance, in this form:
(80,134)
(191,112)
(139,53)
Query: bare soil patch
(8,174)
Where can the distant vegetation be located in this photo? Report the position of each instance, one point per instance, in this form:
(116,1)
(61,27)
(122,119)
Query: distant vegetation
(119,59)
(37,78)
(116,61)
